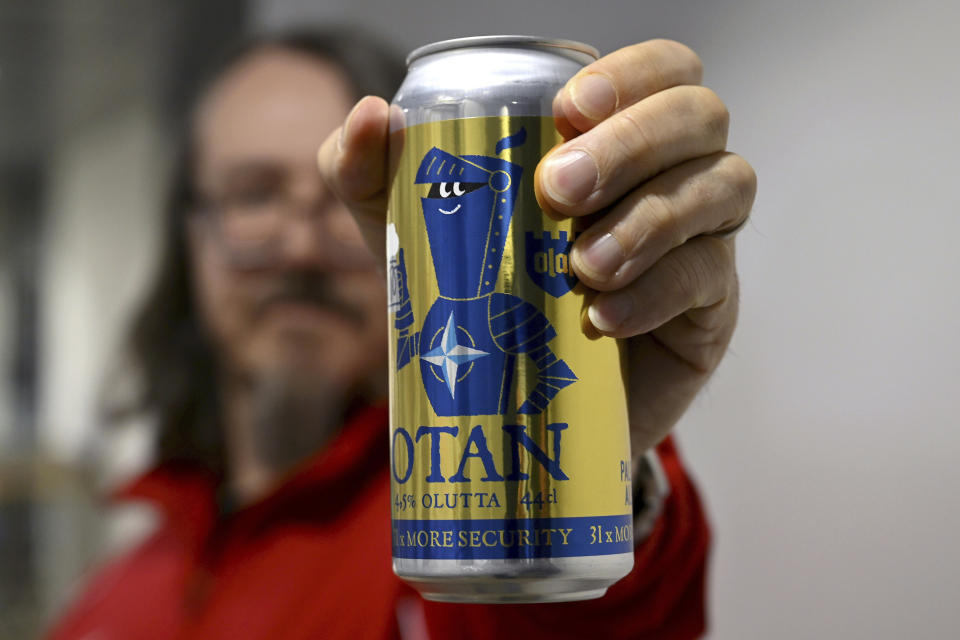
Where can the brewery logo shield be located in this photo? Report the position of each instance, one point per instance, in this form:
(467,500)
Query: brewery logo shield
(548,261)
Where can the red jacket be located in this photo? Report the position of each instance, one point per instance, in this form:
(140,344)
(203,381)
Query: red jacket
(312,560)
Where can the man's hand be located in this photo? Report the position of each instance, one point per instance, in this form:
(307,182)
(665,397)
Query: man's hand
(645,167)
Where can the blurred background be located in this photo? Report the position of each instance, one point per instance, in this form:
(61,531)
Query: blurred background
(827,444)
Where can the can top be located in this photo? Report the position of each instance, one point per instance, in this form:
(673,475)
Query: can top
(501,41)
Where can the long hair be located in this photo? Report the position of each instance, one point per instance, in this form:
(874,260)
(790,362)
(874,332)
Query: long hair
(167,352)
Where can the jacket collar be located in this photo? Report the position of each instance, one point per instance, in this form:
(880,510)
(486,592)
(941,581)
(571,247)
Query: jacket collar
(194,501)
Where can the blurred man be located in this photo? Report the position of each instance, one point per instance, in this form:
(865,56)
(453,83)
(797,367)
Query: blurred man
(262,348)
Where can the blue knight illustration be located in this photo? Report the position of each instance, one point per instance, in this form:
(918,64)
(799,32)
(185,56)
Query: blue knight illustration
(472,337)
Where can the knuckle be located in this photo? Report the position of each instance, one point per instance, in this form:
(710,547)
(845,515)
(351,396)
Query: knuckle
(707,188)
(716,254)
(655,65)
(745,179)
(712,111)
(702,111)
(633,133)
(743,183)
(685,276)
(661,219)
(719,267)
(697,271)
(712,350)
(688,56)
(735,183)
(656,75)
(715,329)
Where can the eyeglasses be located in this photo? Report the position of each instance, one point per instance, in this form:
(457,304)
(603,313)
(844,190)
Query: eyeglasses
(251,226)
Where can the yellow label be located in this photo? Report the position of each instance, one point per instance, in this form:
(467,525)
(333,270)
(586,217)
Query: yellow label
(509,429)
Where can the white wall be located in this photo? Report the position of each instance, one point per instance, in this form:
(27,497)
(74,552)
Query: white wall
(107,182)
(827,443)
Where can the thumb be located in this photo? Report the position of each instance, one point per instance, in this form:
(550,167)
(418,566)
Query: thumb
(354,163)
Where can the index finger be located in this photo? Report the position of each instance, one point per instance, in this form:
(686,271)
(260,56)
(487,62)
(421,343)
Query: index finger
(622,78)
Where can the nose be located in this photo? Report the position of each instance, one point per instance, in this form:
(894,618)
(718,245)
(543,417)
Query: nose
(302,241)
(305,241)
(322,234)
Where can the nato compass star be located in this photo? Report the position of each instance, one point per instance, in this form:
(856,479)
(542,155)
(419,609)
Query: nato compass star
(449,355)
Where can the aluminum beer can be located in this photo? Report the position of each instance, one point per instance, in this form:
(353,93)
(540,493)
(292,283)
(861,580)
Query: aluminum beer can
(510,449)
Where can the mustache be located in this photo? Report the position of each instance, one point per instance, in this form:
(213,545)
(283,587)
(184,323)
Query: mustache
(308,287)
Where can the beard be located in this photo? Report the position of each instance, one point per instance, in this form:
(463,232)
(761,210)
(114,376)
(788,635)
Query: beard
(295,415)
(296,378)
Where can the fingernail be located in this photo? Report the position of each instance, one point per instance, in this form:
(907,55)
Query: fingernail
(609,312)
(571,177)
(602,256)
(594,96)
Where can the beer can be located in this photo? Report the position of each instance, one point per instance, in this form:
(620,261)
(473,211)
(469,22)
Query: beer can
(510,451)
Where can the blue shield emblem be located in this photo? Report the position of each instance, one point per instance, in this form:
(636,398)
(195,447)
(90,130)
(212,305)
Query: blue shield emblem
(548,262)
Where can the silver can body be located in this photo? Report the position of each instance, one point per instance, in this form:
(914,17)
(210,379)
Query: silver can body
(478,97)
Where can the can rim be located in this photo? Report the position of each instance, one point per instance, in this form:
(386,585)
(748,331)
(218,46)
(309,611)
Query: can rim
(500,41)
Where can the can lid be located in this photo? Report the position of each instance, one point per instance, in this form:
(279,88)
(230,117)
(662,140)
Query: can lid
(501,41)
